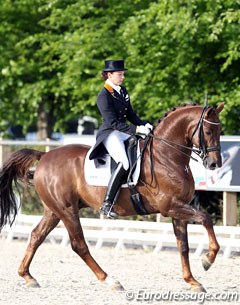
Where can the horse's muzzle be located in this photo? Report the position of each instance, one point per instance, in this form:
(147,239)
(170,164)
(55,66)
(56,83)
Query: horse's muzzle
(211,163)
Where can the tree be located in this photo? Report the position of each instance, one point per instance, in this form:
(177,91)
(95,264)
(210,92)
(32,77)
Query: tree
(183,50)
(53,74)
(176,51)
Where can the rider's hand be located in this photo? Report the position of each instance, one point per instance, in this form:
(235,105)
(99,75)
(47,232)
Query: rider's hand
(142,131)
(149,126)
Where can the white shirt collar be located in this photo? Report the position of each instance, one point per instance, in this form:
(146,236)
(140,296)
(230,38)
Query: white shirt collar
(115,87)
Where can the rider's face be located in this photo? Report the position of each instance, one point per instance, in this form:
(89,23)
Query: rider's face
(116,77)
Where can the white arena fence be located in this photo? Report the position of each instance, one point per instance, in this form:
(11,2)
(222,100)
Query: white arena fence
(122,233)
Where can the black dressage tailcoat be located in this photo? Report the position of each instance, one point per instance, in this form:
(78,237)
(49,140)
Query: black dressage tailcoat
(115,109)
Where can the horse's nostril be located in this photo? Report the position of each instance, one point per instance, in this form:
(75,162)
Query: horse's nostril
(213,166)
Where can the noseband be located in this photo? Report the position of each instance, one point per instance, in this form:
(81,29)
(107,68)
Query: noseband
(203,149)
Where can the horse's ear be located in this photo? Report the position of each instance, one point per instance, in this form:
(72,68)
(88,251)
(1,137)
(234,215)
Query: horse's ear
(209,111)
(219,107)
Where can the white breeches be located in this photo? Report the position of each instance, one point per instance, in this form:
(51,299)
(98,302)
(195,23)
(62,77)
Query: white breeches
(114,144)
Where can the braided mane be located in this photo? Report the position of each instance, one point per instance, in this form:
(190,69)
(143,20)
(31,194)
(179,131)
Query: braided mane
(175,108)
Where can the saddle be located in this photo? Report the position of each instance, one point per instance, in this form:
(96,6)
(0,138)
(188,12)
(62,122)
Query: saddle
(98,171)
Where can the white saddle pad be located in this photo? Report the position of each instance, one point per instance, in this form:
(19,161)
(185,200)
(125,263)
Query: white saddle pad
(99,176)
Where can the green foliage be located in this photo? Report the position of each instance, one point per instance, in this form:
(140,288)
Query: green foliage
(182,50)
(53,50)
(31,204)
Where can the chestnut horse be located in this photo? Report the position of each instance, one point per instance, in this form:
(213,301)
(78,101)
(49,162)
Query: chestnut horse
(166,185)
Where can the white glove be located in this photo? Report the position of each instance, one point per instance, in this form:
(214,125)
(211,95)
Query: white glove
(149,126)
(142,131)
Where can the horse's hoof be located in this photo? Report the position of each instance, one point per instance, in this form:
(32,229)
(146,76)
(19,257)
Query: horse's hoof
(117,286)
(32,284)
(198,289)
(114,284)
(206,263)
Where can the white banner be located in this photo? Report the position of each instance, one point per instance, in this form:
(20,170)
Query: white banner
(226,178)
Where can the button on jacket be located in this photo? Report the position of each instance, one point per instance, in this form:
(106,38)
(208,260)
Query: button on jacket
(115,109)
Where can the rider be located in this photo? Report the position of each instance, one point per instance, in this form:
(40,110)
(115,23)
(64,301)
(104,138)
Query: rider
(114,105)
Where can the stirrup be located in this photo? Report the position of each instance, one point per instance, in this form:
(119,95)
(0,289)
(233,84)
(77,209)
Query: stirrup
(106,210)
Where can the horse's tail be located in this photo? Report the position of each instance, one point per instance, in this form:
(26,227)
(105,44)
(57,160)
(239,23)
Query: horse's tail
(16,167)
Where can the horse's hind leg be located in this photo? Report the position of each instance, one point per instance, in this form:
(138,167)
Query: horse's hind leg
(38,235)
(79,246)
(180,230)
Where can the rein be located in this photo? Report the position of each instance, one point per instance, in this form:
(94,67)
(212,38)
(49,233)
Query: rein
(174,144)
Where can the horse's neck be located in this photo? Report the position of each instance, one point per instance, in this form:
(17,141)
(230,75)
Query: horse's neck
(176,128)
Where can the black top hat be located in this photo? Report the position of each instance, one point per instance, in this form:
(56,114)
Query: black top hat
(114,65)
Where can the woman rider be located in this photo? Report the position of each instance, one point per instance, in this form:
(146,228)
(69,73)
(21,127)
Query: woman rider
(114,105)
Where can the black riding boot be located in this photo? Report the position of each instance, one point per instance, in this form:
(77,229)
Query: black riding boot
(132,155)
(114,185)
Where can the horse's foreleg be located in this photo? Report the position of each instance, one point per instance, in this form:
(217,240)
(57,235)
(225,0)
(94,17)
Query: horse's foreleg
(38,235)
(209,258)
(188,213)
(180,231)
(79,246)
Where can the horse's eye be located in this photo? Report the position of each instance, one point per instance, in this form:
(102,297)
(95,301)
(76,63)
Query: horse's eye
(208,132)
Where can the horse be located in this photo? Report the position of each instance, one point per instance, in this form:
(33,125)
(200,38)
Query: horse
(166,186)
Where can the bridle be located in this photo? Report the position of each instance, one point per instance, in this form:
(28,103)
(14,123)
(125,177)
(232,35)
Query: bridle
(202,150)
